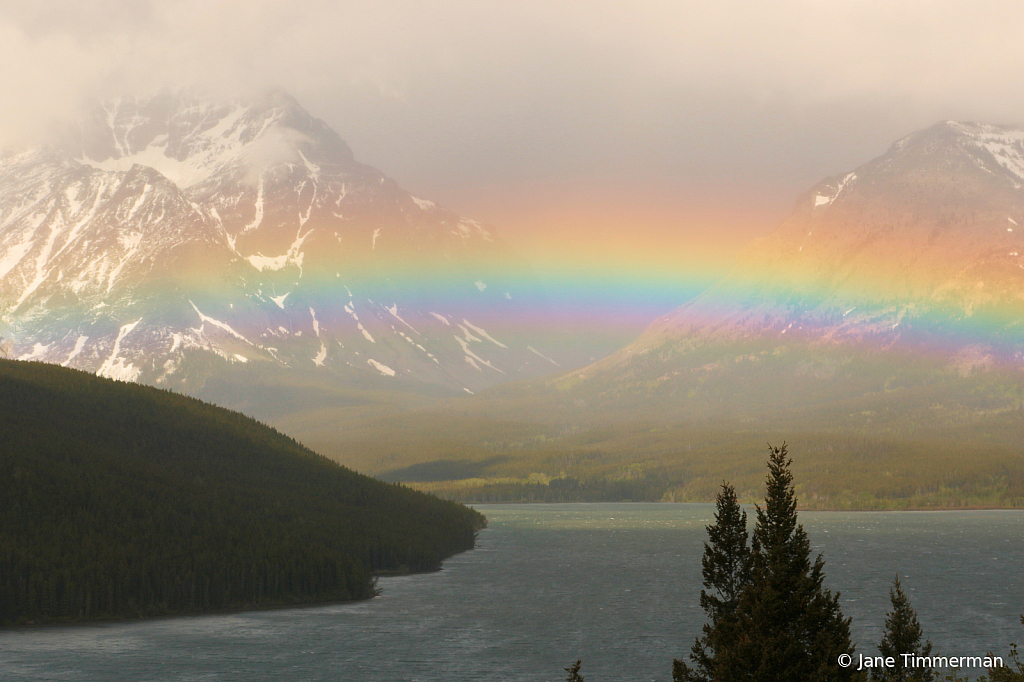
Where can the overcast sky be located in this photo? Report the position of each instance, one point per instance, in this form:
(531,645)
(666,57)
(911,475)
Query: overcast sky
(522,113)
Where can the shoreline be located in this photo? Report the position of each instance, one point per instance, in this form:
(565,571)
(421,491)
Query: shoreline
(750,506)
(217,612)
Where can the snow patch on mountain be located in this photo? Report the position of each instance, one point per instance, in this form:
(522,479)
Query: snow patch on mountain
(220,325)
(468,335)
(316,324)
(211,149)
(261,262)
(394,311)
(473,357)
(483,333)
(826,199)
(181,173)
(130,243)
(79,345)
(38,352)
(467,228)
(279,300)
(258,218)
(541,355)
(382,368)
(14,255)
(294,256)
(311,168)
(1006,145)
(321,356)
(116,368)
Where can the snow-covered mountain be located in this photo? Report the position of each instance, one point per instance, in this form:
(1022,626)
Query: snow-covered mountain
(167,239)
(923,246)
(888,283)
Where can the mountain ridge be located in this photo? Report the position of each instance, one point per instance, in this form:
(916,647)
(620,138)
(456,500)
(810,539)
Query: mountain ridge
(880,328)
(167,230)
(927,229)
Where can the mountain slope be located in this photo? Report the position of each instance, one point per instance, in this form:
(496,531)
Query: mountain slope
(909,268)
(926,235)
(125,501)
(164,240)
(882,325)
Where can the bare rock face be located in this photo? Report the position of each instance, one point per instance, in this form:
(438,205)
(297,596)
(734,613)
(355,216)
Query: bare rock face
(170,239)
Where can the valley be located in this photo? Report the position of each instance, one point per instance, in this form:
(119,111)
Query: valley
(878,330)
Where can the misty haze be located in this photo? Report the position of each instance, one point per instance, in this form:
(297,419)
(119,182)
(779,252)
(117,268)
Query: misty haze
(474,341)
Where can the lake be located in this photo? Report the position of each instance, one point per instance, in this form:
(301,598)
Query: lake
(616,585)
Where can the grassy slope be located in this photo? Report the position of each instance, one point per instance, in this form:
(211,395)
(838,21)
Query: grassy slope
(866,431)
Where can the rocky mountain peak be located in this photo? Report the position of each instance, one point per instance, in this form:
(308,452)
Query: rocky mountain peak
(190,139)
(993,149)
(926,237)
(165,231)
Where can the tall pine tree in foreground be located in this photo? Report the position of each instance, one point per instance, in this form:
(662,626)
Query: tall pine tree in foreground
(788,626)
(726,570)
(1013,671)
(902,635)
(574,672)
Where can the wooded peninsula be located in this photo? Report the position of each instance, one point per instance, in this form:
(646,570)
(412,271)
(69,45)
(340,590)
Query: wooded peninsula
(125,501)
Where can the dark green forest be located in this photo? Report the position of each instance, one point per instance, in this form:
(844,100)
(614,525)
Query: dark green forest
(123,501)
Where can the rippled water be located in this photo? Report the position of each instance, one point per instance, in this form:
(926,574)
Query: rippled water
(614,584)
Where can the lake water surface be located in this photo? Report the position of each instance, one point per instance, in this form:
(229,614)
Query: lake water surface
(614,584)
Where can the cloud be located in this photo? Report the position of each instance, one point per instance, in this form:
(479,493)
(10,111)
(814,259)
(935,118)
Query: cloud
(36,91)
(277,145)
(458,92)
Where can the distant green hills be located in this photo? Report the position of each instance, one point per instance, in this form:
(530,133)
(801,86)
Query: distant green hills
(879,330)
(122,501)
(867,430)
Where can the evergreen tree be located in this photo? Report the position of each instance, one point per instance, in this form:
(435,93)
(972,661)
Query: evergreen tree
(788,627)
(902,636)
(120,501)
(574,672)
(1013,671)
(726,570)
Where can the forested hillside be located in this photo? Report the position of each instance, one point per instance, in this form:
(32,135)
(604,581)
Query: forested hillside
(120,500)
